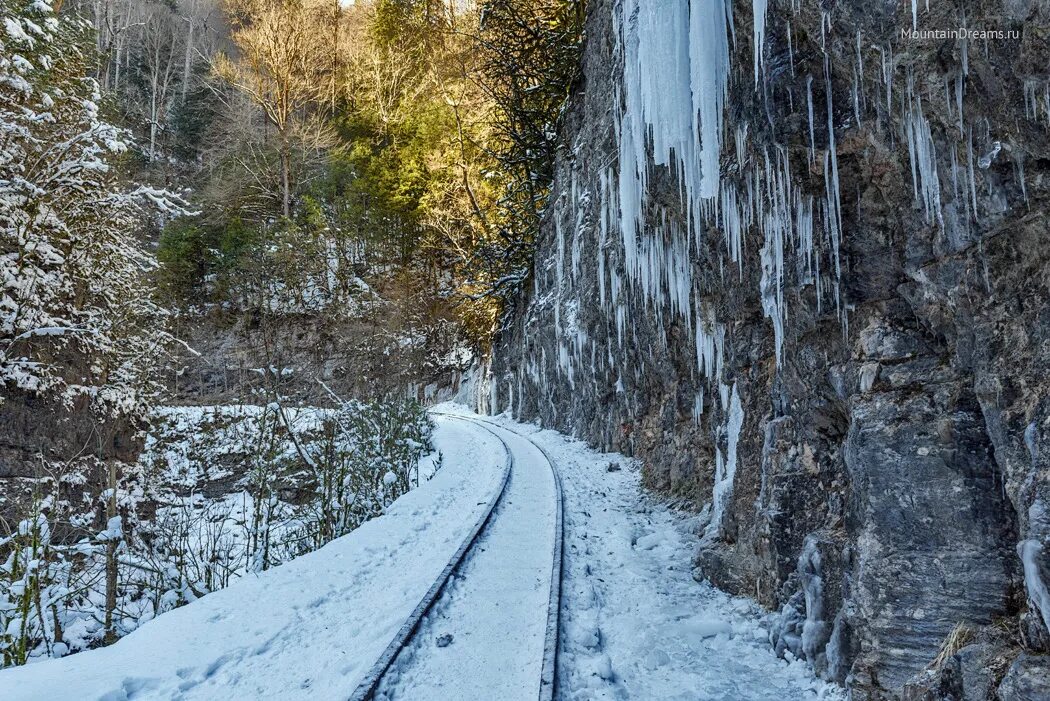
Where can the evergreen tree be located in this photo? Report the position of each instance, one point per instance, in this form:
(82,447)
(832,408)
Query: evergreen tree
(75,312)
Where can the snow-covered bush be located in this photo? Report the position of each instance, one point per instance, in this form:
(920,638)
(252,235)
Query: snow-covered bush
(296,478)
(73,278)
(362,458)
(24,609)
(282,481)
(53,594)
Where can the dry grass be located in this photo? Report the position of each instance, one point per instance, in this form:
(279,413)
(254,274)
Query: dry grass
(959,638)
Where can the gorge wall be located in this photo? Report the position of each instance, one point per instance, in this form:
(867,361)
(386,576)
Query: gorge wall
(799,264)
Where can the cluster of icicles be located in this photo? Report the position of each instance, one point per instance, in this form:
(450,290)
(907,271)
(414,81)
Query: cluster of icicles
(676,58)
(675,90)
(676,74)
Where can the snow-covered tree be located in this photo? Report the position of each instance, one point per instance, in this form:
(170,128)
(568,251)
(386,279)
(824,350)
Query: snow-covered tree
(76,317)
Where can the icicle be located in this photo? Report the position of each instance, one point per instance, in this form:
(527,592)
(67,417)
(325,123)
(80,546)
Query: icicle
(922,155)
(725,470)
(559,273)
(856,99)
(955,174)
(577,239)
(698,406)
(860,59)
(676,69)
(758,9)
(603,235)
(709,68)
(809,107)
(771,285)
(973,176)
(804,227)
(741,145)
(834,194)
(887,78)
(947,99)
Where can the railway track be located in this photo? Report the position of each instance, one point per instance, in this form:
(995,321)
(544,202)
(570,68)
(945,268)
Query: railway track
(408,632)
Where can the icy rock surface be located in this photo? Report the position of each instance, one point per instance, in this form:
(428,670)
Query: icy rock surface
(855,250)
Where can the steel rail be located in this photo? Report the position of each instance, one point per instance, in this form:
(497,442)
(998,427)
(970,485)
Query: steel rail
(367,687)
(549,673)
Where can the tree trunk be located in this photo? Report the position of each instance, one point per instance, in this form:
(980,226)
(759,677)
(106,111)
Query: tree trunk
(153,126)
(285,177)
(111,559)
(117,65)
(187,60)
(154,79)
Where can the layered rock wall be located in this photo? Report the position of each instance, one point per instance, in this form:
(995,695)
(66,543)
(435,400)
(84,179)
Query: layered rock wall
(808,284)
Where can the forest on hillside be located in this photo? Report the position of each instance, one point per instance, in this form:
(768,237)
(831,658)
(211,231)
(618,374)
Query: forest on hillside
(239,240)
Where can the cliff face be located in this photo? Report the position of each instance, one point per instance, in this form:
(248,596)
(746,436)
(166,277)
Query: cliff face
(242,358)
(62,449)
(808,286)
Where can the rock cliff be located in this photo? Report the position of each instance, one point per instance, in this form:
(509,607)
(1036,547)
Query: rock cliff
(797,260)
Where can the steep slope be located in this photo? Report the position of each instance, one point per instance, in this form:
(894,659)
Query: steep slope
(797,262)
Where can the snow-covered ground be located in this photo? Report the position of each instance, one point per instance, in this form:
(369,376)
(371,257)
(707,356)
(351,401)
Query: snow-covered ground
(309,629)
(485,637)
(634,622)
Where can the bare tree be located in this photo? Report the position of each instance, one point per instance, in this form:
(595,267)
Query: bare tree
(160,67)
(284,55)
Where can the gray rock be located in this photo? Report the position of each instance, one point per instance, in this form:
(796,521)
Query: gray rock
(907,445)
(1028,679)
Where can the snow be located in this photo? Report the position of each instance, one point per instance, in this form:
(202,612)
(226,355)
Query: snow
(114,529)
(495,608)
(272,635)
(635,623)
(15,30)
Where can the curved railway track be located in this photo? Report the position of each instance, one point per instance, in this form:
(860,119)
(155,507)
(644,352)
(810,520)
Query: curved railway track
(368,687)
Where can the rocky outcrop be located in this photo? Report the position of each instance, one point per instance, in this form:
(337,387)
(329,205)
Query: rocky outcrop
(62,450)
(807,284)
(246,357)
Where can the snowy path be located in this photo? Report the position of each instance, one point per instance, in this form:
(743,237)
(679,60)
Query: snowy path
(486,637)
(309,629)
(635,624)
